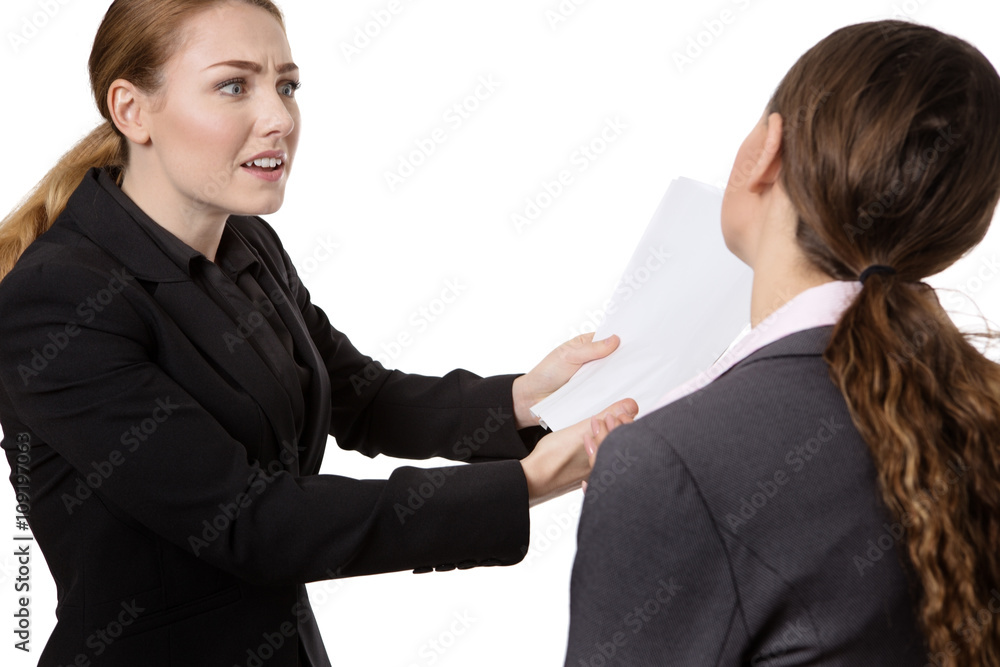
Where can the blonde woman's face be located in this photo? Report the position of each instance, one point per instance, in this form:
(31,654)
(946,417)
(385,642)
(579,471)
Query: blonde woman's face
(229,97)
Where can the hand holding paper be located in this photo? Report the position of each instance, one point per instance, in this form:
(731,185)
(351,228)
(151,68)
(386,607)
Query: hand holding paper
(681,301)
(554,371)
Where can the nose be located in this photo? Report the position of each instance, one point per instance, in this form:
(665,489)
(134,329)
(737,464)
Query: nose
(274,116)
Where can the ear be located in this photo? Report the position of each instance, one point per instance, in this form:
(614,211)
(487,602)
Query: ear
(128,106)
(766,170)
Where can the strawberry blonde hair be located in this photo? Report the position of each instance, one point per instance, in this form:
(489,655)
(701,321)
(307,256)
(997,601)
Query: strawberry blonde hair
(135,40)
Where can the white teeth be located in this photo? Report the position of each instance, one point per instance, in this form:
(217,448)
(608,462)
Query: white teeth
(266,163)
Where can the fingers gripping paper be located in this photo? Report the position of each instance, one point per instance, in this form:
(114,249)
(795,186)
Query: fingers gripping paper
(681,301)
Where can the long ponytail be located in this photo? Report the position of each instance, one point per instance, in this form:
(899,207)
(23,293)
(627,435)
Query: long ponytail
(103,147)
(892,156)
(134,41)
(928,403)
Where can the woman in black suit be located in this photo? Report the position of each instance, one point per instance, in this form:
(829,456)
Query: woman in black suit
(168,387)
(829,492)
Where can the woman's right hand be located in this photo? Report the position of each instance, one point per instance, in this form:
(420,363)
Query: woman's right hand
(562,460)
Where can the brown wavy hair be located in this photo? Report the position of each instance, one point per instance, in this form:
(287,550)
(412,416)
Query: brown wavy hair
(134,41)
(891,155)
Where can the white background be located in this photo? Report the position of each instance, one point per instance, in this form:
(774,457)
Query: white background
(527,291)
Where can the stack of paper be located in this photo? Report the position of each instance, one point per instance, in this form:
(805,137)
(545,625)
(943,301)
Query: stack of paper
(681,301)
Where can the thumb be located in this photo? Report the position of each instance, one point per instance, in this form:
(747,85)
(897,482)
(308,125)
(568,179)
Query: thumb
(582,351)
(626,406)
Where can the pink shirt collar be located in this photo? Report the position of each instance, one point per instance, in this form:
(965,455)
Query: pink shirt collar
(815,307)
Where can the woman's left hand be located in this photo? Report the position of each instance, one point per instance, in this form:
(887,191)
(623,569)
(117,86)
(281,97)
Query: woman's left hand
(563,459)
(554,371)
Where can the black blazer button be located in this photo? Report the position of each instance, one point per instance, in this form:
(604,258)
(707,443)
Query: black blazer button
(422,570)
(467,565)
(445,568)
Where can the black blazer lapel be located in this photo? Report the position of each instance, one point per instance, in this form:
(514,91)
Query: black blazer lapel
(317,401)
(111,227)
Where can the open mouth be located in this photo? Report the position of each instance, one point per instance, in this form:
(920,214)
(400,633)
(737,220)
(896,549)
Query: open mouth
(264,164)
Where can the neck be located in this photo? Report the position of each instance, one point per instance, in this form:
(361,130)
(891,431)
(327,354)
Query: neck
(780,273)
(775,284)
(194,223)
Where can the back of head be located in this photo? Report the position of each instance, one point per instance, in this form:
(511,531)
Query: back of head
(891,156)
(134,42)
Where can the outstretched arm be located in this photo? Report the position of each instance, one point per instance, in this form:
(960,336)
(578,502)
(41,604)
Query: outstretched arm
(461,416)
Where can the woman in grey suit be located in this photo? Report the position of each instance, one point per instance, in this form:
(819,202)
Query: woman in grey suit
(829,492)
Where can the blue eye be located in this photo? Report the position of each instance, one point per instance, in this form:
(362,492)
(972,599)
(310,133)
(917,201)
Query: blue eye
(288,88)
(235,88)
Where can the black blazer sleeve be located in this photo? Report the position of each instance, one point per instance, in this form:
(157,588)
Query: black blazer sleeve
(462,417)
(101,403)
(646,589)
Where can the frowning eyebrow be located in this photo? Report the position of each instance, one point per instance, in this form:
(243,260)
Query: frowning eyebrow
(256,68)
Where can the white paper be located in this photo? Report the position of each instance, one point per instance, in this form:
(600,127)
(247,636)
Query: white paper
(681,301)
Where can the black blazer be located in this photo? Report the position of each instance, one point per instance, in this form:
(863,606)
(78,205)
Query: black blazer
(175,508)
(742,525)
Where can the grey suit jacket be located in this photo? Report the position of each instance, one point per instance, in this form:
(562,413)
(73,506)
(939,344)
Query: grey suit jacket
(743,525)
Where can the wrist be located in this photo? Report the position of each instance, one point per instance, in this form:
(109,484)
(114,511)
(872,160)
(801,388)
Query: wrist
(538,481)
(549,474)
(522,404)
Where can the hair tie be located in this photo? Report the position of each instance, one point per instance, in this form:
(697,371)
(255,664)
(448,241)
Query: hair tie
(876,268)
